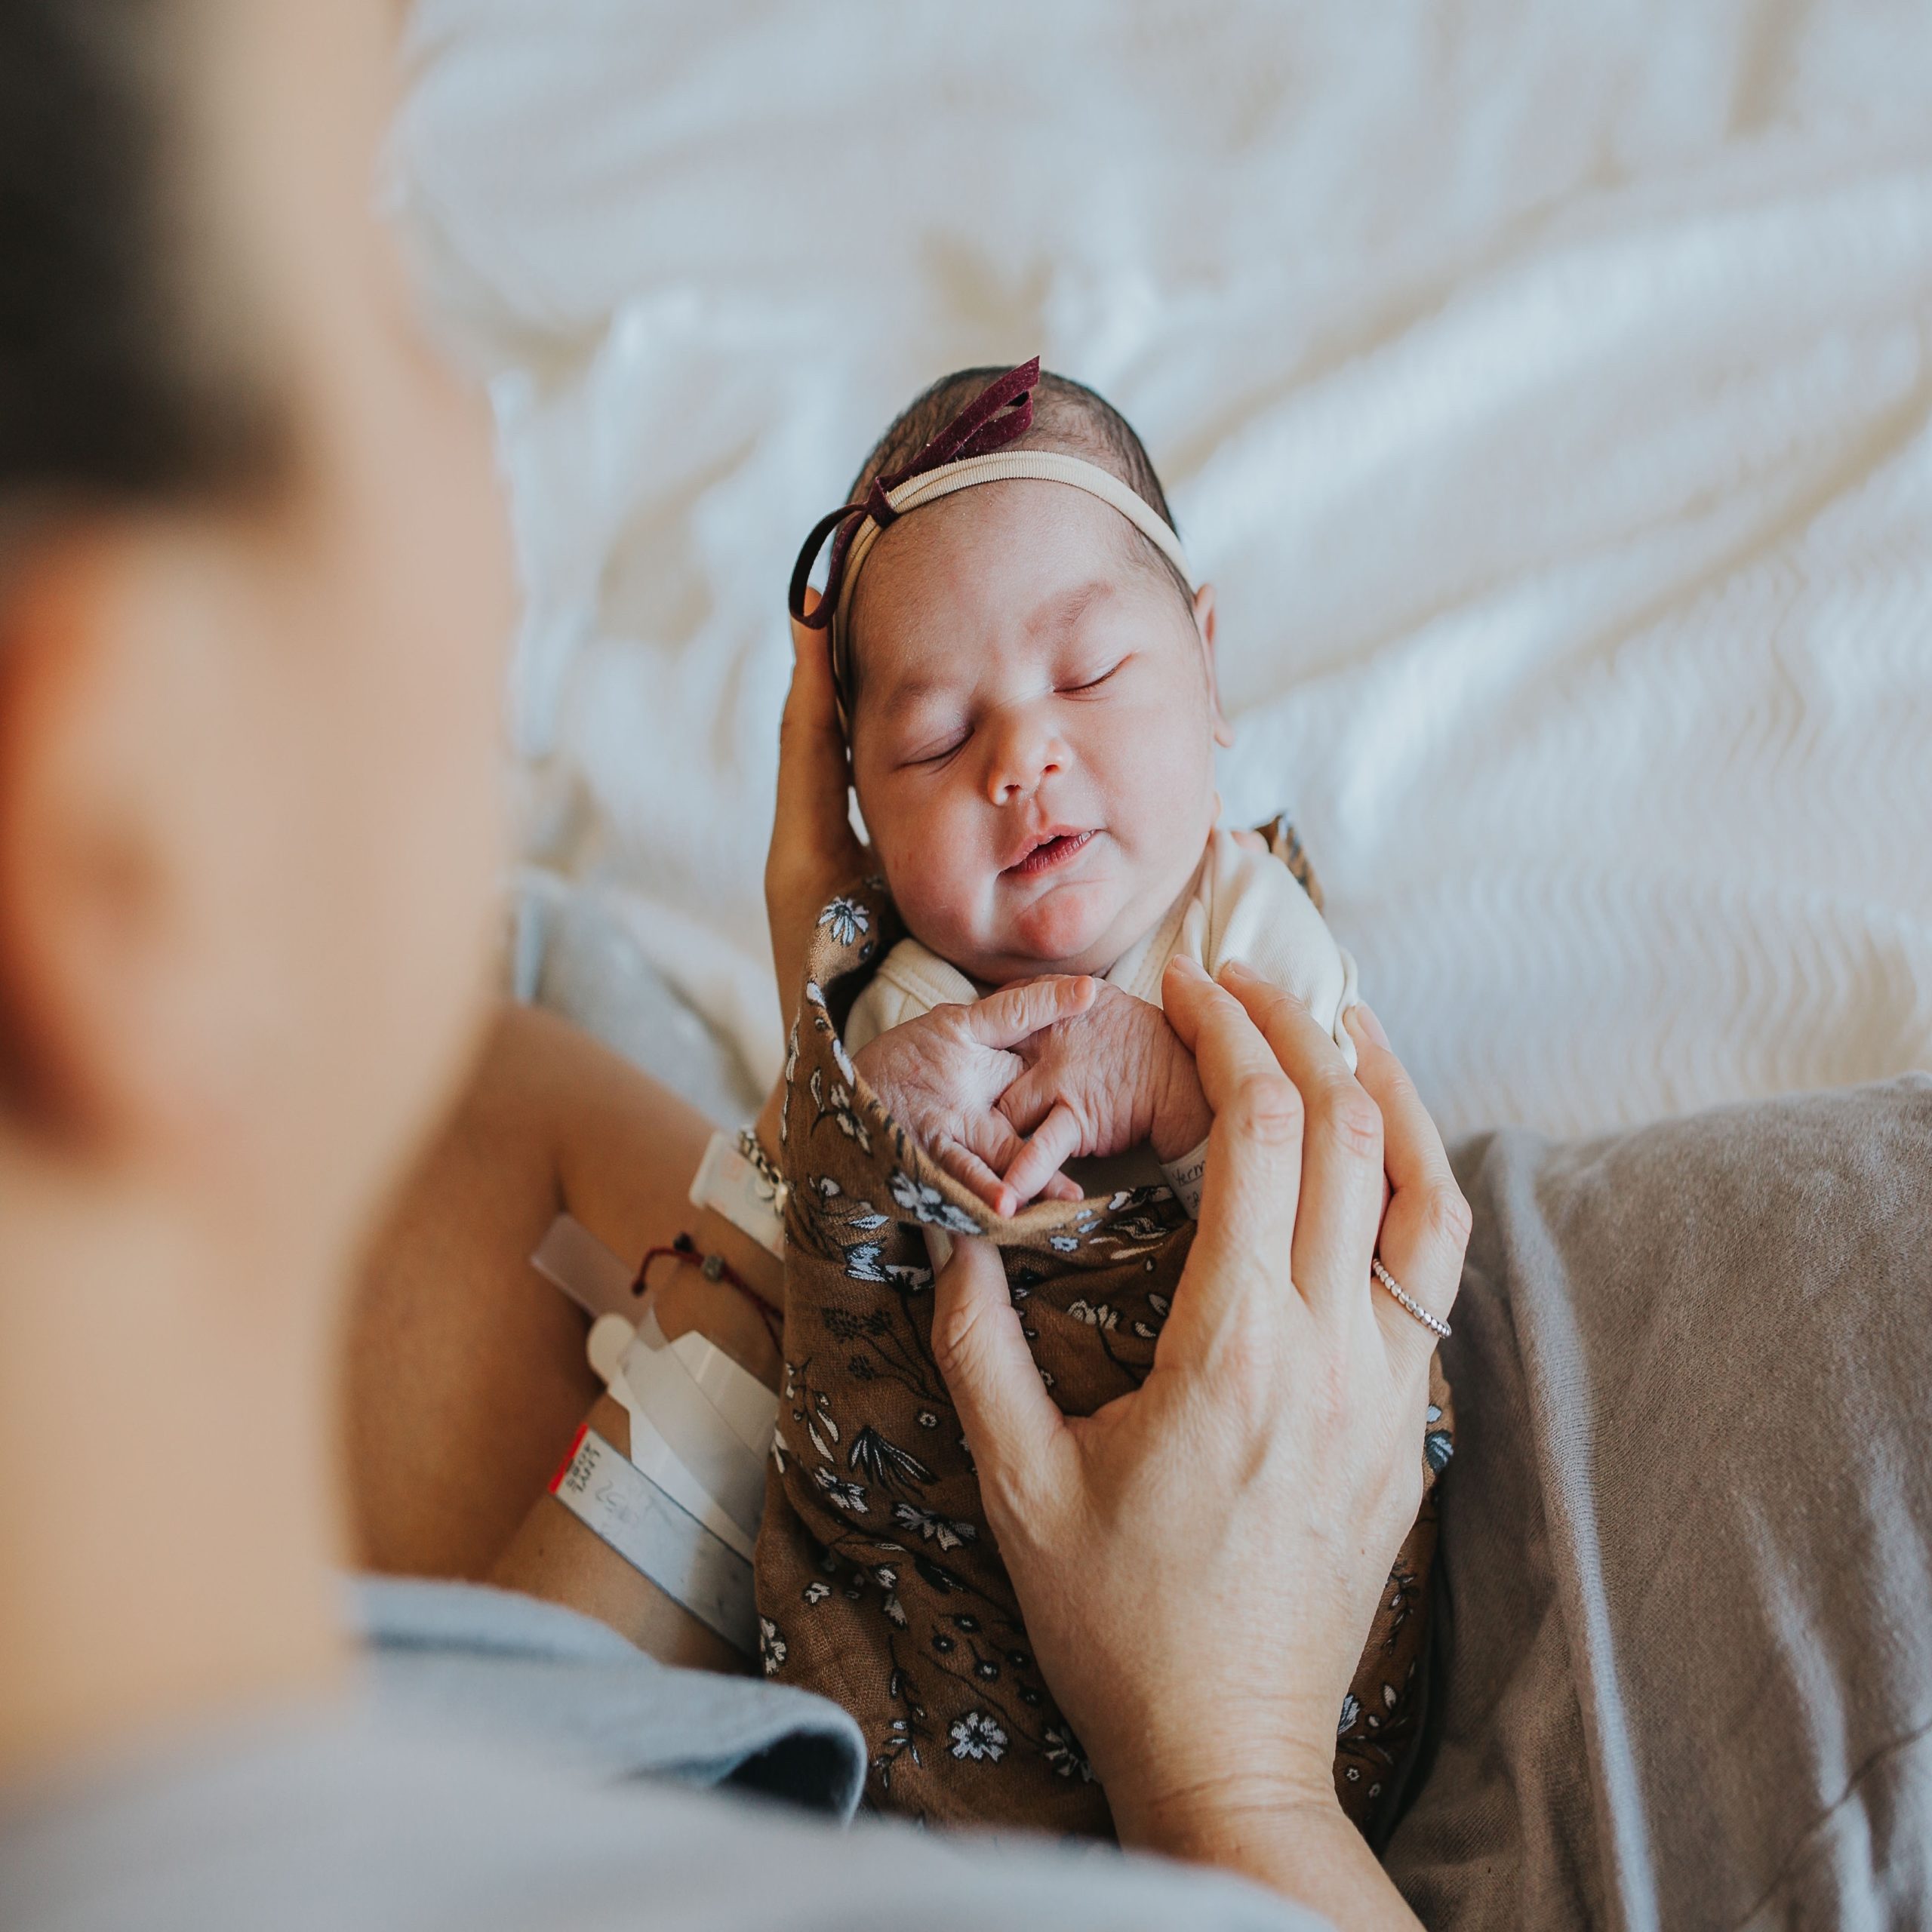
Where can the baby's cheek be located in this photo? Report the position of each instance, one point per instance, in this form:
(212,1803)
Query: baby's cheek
(933,881)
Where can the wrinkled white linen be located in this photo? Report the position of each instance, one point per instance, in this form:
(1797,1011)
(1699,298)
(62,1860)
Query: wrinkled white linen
(1545,388)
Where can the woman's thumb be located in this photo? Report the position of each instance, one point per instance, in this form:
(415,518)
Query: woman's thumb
(1011,1421)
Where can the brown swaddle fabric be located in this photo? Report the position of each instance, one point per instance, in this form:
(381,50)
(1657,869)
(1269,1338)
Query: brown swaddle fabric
(878,1584)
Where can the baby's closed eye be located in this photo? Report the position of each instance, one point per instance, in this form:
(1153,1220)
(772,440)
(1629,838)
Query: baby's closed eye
(1089,680)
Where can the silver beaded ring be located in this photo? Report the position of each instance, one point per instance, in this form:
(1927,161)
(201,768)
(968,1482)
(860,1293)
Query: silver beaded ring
(1434,1323)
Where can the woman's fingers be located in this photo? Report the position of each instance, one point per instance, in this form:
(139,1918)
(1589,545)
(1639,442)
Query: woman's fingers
(1015,1434)
(813,847)
(1004,1019)
(1240,1252)
(1341,1167)
(1426,1228)
(1055,1142)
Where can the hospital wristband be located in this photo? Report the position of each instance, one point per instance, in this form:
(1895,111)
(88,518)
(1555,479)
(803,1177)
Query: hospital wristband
(620,1505)
(750,1195)
(1185,1177)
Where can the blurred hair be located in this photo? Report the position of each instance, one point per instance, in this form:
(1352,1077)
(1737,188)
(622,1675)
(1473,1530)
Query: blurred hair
(112,387)
(116,390)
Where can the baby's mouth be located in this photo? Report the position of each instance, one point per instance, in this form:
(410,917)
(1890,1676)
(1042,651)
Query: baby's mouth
(1050,853)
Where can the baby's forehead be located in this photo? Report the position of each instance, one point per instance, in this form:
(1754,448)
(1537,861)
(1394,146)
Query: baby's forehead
(927,586)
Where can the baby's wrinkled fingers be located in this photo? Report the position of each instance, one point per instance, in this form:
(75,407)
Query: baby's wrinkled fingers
(966,1167)
(1028,1101)
(1056,1142)
(1059,1188)
(1014,1013)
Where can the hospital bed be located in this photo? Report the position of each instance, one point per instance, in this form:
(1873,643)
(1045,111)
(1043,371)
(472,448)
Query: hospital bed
(1547,390)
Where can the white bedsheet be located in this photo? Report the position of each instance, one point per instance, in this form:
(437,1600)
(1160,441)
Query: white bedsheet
(1547,388)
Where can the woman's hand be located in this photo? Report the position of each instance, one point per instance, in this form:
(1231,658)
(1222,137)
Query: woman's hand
(942,1074)
(814,850)
(1199,1562)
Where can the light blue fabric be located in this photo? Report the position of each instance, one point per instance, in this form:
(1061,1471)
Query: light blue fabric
(445,1652)
(509,1765)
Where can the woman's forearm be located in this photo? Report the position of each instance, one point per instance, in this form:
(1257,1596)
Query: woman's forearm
(465,1370)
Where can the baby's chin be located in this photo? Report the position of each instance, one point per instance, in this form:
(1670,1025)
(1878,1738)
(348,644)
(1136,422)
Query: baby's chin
(1077,928)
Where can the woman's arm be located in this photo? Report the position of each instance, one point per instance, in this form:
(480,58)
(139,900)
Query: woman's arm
(466,1377)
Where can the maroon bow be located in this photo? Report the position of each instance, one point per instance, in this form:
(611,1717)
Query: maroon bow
(1002,410)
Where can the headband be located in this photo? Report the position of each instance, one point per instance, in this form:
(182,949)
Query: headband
(967,451)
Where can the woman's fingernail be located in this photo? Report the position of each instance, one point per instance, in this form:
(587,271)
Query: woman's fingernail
(1188,968)
(1237,969)
(1362,1023)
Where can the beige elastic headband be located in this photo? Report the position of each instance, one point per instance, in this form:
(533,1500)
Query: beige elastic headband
(1005,466)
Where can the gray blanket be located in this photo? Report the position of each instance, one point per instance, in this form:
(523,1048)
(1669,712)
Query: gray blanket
(1688,1536)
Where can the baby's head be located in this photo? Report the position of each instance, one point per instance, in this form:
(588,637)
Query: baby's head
(1030,699)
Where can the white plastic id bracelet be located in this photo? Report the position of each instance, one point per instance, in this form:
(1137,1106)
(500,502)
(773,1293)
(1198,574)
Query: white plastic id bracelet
(1186,1177)
(700,1425)
(571,1258)
(730,1185)
(658,1539)
(691,1403)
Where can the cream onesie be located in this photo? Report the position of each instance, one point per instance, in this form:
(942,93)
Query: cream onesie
(1241,904)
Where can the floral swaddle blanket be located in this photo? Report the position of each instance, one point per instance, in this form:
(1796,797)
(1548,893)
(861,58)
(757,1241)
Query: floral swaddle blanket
(877,1583)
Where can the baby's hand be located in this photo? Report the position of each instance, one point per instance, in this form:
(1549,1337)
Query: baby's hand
(941,1076)
(1115,1075)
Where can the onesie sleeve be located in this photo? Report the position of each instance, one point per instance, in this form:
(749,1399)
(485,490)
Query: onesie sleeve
(876,1011)
(1253,909)
(912,980)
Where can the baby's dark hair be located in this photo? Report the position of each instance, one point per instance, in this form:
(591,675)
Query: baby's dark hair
(1067,416)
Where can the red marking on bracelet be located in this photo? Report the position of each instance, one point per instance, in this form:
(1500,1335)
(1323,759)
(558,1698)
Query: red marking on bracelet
(569,1456)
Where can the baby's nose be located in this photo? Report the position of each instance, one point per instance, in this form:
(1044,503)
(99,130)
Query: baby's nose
(1025,756)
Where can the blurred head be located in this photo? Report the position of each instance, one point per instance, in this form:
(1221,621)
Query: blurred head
(252,593)
(1032,708)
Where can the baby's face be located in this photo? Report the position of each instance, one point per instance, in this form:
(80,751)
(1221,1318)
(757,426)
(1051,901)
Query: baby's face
(1032,740)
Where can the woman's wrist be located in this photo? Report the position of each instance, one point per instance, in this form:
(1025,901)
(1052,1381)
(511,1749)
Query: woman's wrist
(1287,1833)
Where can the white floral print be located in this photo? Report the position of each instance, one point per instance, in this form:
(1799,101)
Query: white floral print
(845,920)
(850,1496)
(1062,1751)
(771,1650)
(930,1207)
(947,1531)
(976,1735)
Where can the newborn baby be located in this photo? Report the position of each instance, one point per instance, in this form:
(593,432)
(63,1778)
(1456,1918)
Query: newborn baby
(1026,677)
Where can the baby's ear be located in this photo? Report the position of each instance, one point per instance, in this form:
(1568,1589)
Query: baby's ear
(1204,622)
